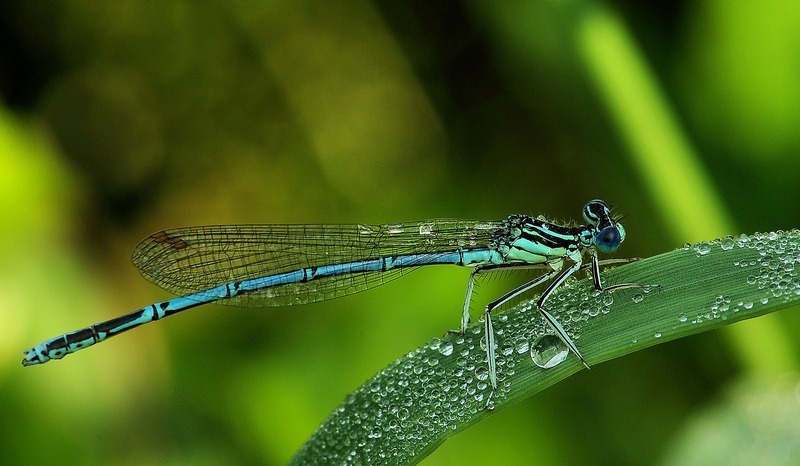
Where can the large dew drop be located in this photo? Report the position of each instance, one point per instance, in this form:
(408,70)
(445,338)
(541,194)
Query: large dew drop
(548,351)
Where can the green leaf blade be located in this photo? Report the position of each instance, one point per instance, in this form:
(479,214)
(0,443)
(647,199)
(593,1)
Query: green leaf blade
(404,412)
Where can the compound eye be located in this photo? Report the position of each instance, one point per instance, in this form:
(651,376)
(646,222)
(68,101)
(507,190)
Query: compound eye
(593,209)
(608,239)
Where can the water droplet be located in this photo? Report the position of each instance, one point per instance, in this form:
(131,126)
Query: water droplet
(702,248)
(446,348)
(682,317)
(727,244)
(638,298)
(548,351)
(658,335)
(608,299)
(522,346)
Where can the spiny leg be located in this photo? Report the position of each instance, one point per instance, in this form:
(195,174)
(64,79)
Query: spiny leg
(489,329)
(490,358)
(595,271)
(608,262)
(594,267)
(465,318)
(467,300)
(560,332)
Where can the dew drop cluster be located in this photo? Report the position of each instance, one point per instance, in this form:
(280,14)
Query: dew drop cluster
(774,270)
(433,389)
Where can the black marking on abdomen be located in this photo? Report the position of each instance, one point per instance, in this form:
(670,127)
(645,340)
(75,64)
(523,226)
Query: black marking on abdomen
(163,307)
(232,289)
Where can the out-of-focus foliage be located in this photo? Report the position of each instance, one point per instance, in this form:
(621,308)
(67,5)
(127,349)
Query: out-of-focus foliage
(123,118)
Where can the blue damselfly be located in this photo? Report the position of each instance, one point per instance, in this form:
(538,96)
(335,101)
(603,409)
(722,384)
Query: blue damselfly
(281,265)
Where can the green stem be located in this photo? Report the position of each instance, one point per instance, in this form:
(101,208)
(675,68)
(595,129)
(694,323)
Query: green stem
(667,163)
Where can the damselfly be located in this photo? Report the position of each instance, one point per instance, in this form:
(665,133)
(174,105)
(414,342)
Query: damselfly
(279,265)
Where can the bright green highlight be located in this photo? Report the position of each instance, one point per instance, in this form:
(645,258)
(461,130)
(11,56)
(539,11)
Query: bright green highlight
(744,79)
(667,161)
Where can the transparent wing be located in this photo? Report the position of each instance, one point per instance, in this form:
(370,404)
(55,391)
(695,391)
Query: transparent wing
(189,260)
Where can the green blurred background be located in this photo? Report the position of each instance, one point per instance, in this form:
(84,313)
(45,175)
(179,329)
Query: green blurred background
(123,118)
